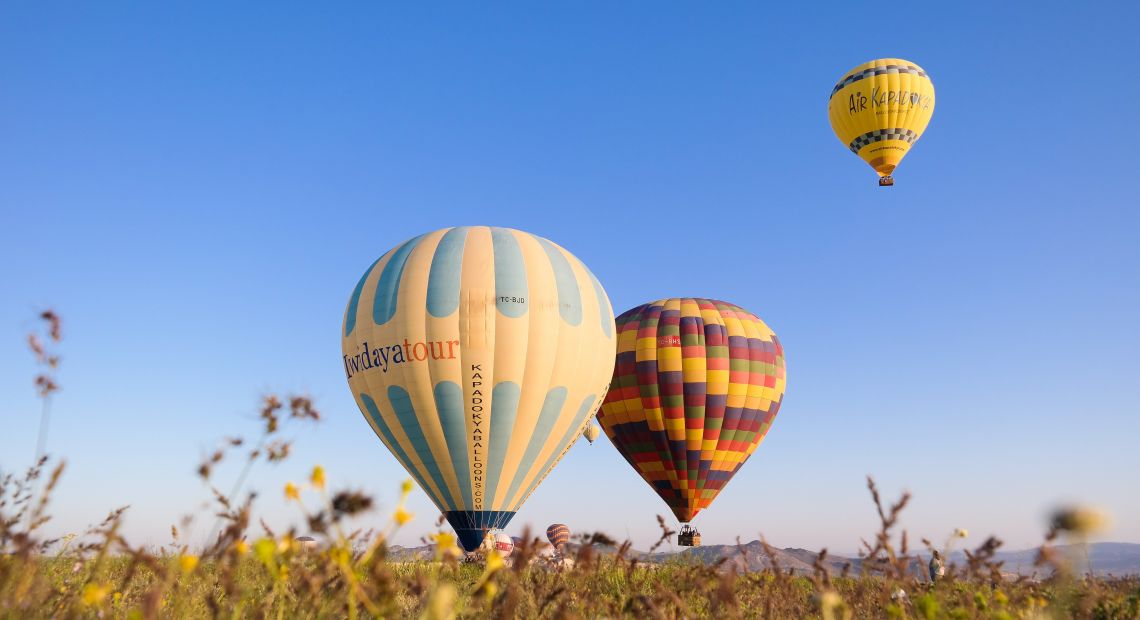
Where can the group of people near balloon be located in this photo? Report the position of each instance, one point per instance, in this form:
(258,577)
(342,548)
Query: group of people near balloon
(479,354)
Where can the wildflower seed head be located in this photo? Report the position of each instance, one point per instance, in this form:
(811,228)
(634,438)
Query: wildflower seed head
(302,407)
(349,503)
(1081,520)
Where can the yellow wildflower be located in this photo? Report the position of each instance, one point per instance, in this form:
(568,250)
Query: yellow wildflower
(340,555)
(95,594)
(402,516)
(187,563)
(406,487)
(832,606)
(318,477)
(241,547)
(266,550)
(494,562)
(445,545)
(444,540)
(961,532)
(291,491)
(486,584)
(441,603)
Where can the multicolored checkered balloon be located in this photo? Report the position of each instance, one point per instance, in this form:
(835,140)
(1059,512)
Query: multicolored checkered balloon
(696,386)
(558,535)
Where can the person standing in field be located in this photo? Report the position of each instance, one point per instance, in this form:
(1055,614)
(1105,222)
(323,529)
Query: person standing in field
(936,567)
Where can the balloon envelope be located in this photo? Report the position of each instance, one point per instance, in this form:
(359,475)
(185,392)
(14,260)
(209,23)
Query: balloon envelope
(558,535)
(477,355)
(879,109)
(695,389)
(591,433)
(504,545)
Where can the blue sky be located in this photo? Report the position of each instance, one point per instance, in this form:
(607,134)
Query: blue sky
(197,188)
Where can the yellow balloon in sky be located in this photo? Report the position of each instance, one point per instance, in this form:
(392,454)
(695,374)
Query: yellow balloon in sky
(478,355)
(879,109)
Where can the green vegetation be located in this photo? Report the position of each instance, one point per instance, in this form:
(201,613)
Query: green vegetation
(301,584)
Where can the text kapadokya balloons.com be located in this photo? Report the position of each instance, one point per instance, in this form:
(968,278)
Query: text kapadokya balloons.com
(478,354)
(695,389)
(879,109)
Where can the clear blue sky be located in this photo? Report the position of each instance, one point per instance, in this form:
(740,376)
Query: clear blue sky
(197,188)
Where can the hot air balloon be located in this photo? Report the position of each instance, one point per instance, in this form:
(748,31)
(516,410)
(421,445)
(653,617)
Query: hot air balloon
(558,535)
(695,389)
(503,544)
(879,109)
(478,355)
(591,432)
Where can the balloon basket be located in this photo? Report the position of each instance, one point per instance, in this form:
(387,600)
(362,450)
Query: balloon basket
(689,537)
(886,181)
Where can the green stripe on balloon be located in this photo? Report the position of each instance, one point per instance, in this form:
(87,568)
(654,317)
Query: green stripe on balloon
(551,408)
(388,288)
(604,311)
(575,426)
(445,273)
(390,441)
(510,274)
(449,405)
(504,409)
(354,302)
(569,299)
(406,414)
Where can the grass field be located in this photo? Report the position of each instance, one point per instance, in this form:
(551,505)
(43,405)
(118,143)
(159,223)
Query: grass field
(288,583)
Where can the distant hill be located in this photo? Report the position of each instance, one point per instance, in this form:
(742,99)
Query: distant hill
(749,557)
(1117,559)
(1107,558)
(1110,558)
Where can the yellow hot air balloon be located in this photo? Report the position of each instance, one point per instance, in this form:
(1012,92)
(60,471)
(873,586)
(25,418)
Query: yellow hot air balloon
(478,355)
(591,432)
(879,109)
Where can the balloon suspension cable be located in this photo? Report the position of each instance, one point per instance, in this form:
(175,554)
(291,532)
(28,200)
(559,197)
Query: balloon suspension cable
(886,181)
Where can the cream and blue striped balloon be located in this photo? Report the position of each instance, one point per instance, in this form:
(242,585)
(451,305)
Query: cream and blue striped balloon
(478,355)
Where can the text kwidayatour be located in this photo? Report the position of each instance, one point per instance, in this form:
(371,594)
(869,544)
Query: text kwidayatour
(384,356)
